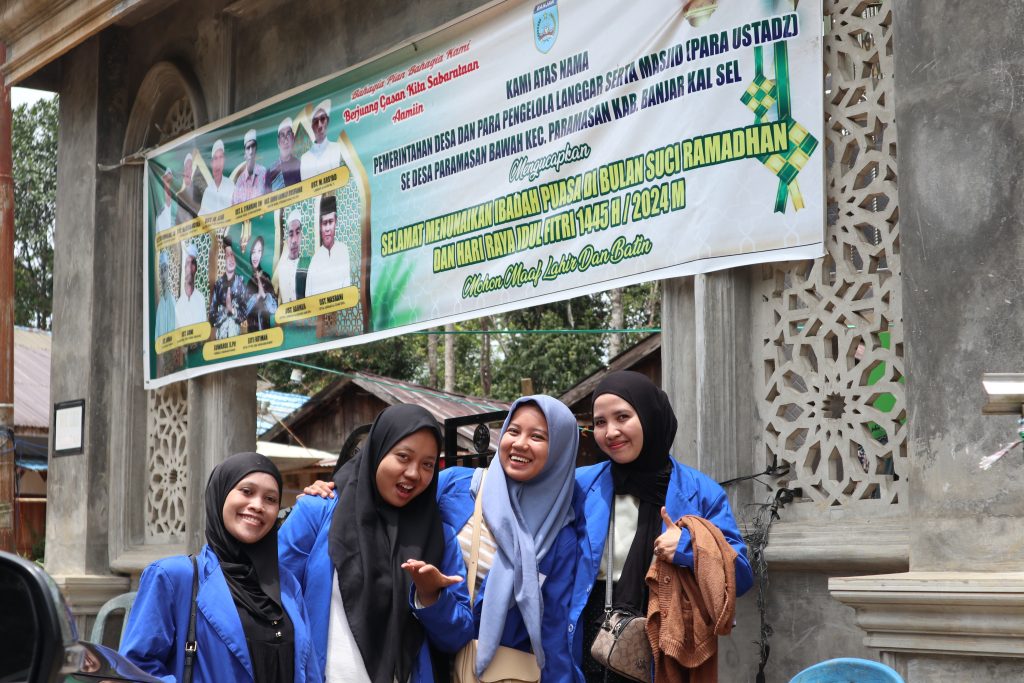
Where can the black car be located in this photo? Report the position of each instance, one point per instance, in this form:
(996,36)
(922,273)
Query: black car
(38,640)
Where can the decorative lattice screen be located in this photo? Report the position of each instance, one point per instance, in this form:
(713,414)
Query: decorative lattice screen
(167,464)
(167,408)
(832,397)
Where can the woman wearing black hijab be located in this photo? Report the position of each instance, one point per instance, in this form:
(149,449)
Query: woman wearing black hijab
(348,553)
(250,621)
(634,425)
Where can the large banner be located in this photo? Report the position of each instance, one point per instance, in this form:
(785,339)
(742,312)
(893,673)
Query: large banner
(523,154)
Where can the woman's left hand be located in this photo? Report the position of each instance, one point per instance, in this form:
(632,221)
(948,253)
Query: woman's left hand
(429,580)
(666,544)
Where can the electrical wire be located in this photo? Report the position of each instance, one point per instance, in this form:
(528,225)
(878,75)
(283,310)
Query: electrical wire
(757,541)
(484,407)
(631,330)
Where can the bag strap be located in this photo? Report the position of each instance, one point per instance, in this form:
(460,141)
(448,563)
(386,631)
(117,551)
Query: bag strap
(474,553)
(190,639)
(609,545)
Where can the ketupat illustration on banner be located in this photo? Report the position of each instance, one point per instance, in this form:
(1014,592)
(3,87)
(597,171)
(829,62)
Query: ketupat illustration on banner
(526,153)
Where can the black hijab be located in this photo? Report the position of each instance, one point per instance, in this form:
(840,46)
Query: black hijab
(368,541)
(250,569)
(646,477)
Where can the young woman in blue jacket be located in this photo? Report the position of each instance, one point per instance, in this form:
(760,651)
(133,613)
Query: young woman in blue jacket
(634,425)
(527,558)
(527,553)
(349,553)
(250,621)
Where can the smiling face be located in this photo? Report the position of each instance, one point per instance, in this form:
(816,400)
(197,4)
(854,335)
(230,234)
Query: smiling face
(256,254)
(190,270)
(617,428)
(523,448)
(320,120)
(251,507)
(407,469)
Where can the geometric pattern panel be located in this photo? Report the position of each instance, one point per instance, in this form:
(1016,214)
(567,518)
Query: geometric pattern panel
(350,231)
(167,408)
(831,353)
(167,463)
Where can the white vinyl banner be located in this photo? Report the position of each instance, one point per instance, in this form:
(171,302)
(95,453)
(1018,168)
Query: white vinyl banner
(525,153)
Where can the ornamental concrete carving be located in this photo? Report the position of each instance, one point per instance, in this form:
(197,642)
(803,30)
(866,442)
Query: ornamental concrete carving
(171,99)
(831,360)
(166,464)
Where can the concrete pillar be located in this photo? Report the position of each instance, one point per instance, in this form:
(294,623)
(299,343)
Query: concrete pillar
(222,421)
(708,375)
(222,406)
(76,520)
(951,618)
(707,371)
(679,362)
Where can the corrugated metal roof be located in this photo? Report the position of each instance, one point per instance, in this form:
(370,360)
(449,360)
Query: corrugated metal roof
(31,379)
(442,405)
(624,361)
(272,406)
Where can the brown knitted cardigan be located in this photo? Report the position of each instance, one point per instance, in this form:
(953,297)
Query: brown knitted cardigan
(689,609)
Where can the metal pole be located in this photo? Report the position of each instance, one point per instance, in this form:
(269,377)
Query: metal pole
(7,472)
(6,258)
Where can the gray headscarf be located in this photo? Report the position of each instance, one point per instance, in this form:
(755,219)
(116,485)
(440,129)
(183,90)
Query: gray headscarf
(525,518)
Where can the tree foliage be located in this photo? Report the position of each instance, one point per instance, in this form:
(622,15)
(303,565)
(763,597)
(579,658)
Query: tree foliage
(402,358)
(518,348)
(34,147)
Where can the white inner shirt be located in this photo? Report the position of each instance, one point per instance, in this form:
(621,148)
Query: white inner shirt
(344,660)
(627,510)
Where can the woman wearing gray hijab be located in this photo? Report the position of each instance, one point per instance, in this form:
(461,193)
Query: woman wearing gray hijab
(527,553)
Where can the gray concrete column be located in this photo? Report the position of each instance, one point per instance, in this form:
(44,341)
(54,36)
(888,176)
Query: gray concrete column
(679,362)
(222,421)
(81,363)
(961,208)
(725,397)
(960,181)
(221,406)
(77,491)
(707,370)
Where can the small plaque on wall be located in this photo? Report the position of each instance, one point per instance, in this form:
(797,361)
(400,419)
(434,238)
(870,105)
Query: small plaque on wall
(69,427)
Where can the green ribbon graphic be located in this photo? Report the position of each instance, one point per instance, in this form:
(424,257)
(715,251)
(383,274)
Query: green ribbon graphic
(759,97)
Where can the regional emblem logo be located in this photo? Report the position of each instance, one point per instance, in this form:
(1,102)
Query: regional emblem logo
(545,25)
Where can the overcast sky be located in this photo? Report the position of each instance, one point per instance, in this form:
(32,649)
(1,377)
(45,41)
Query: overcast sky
(27,96)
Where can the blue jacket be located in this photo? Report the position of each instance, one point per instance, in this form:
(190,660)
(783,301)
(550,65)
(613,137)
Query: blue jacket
(302,549)
(558,567)
(689,493)
(154,639)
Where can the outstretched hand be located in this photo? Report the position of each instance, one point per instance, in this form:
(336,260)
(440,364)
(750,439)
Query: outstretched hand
(324,489)
(429,580)
(666,544)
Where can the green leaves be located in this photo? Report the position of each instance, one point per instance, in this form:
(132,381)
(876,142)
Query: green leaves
(34,148)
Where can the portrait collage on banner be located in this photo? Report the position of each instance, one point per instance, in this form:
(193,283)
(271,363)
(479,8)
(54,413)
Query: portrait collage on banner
(238,284)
